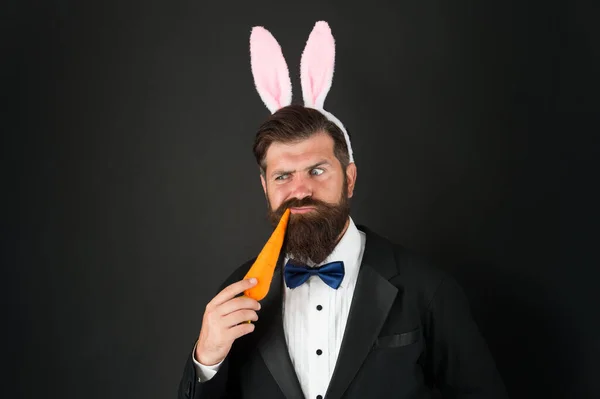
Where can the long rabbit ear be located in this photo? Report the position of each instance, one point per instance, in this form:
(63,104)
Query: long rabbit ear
(270,71)
(316,65)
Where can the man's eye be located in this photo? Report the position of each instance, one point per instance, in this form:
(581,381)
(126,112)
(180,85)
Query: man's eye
(282,177)
(316,171)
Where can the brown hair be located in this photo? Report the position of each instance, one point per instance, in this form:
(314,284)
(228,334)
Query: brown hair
(296,123)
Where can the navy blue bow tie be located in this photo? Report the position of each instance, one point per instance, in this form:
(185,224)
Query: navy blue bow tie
(296,274)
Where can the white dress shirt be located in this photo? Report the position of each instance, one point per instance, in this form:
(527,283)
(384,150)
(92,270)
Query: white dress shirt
(314,319)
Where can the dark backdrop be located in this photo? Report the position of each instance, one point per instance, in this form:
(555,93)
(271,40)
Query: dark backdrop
(130,190)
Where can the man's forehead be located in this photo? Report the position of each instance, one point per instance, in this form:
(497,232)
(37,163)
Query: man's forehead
(317,148)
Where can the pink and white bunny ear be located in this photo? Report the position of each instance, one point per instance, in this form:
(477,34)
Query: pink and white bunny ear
(316,73)
(316,65)
(270,71)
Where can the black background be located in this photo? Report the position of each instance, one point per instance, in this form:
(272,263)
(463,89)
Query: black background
(130,191)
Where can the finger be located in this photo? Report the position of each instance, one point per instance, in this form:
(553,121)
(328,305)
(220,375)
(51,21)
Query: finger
(232,290)
(237,317)
(241,302)
(240,330)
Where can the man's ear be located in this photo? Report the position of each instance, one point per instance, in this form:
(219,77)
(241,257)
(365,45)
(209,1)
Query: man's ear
(351,178)
(263,182)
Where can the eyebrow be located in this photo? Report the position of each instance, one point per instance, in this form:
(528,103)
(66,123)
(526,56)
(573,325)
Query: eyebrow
(284,172)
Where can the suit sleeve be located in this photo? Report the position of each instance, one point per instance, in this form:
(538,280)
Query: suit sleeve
(191,388)
(458,358)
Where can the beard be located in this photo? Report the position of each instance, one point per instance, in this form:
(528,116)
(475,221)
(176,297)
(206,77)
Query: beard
(312,236)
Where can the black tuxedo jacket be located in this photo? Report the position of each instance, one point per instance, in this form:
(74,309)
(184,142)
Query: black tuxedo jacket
(409,334)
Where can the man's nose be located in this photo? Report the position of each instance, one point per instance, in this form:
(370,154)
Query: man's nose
(302,188)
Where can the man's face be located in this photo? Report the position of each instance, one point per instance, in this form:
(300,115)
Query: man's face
(307,177)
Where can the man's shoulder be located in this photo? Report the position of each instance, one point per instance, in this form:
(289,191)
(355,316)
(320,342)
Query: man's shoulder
(410,268)
(403,265)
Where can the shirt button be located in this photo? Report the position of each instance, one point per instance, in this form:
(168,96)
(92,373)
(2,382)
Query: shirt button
(319,352)
(319,397)
(319,307)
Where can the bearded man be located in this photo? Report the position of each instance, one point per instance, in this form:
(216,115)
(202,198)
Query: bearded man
(368,318)
(395,327)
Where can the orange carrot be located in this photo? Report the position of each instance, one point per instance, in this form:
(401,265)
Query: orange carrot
(265,263)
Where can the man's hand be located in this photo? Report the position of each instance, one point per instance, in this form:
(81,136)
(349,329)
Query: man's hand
(225,320)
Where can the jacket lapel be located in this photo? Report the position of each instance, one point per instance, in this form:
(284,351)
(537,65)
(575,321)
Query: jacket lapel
(373,297)
(272,345)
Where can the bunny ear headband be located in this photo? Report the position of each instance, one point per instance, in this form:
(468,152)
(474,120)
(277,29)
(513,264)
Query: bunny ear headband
(272,78)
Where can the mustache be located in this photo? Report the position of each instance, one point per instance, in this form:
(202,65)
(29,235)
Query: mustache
(298,203)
